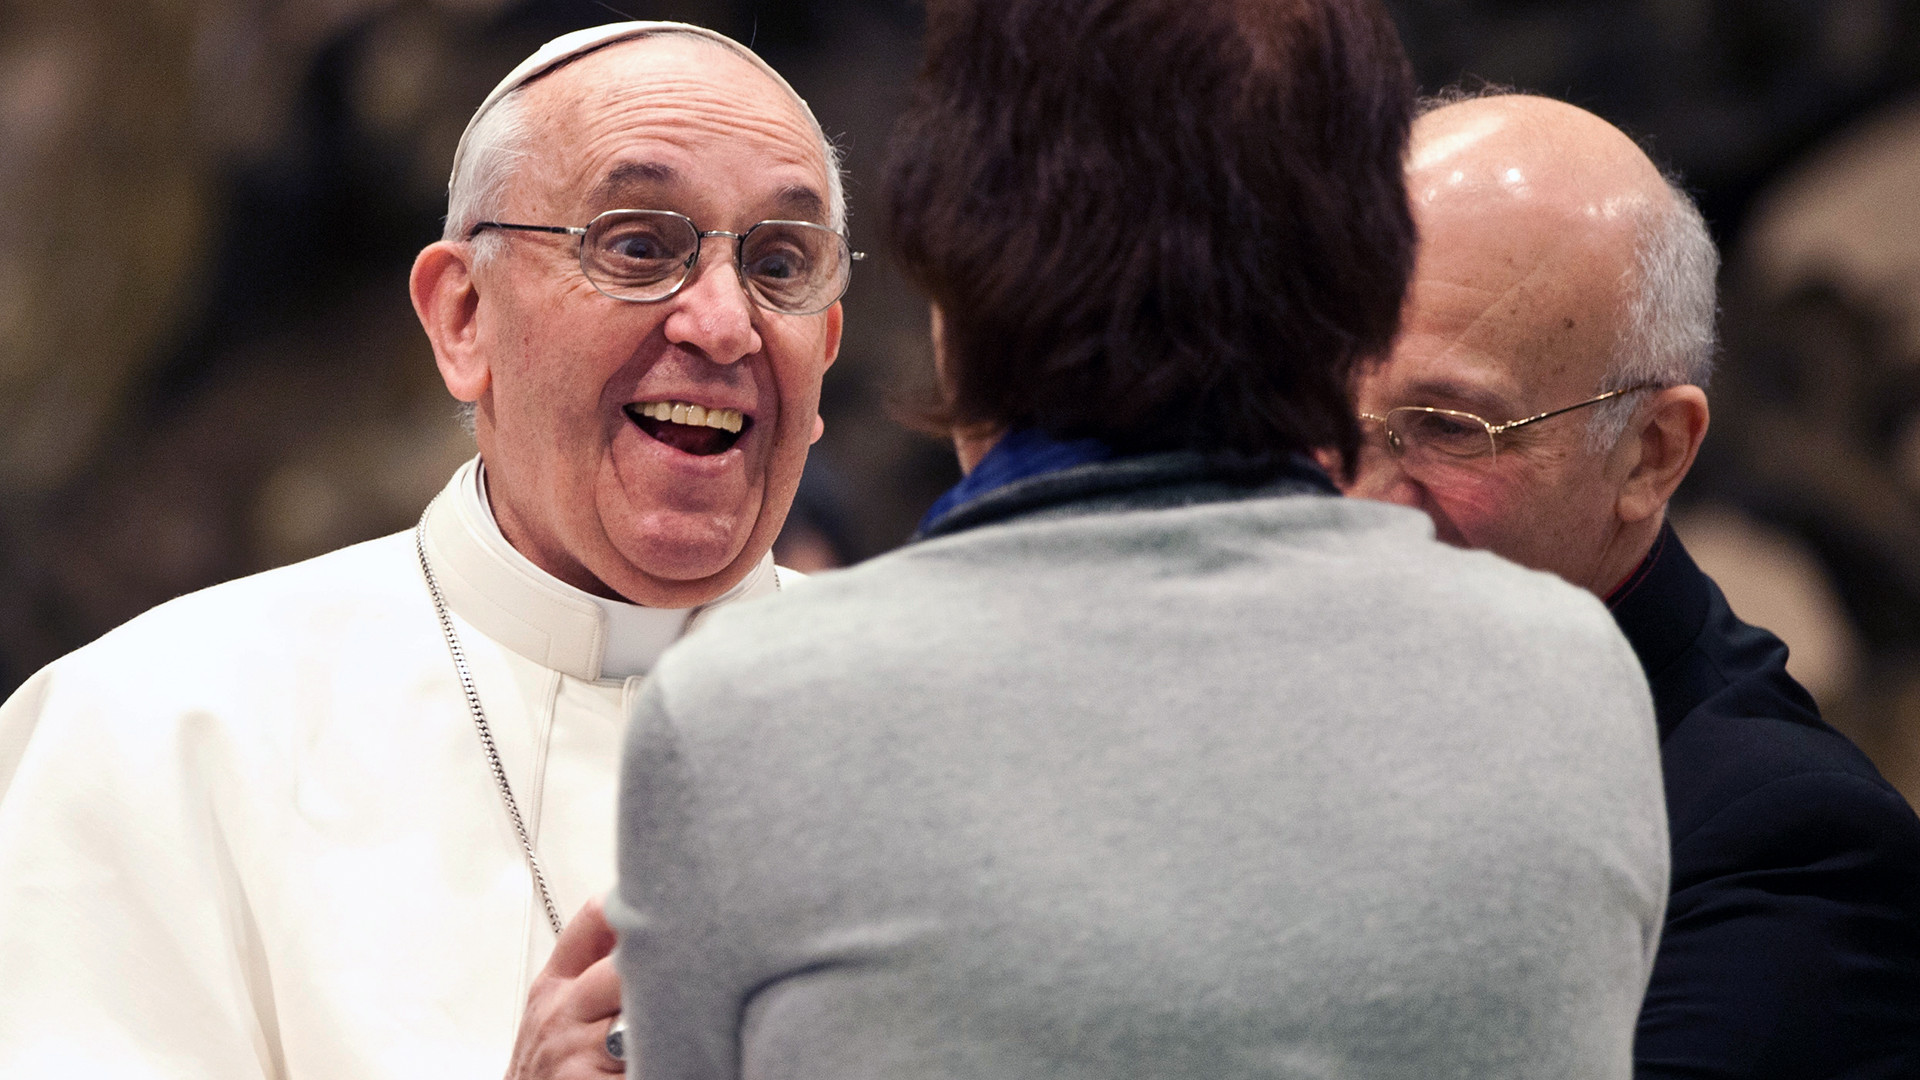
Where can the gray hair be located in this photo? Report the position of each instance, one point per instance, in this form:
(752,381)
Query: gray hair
(1668,334)
(495,147)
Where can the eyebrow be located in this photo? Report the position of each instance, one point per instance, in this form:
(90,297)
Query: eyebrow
(802,203)
(794,201)
(634,174)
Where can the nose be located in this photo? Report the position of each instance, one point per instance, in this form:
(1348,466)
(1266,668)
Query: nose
(712,312)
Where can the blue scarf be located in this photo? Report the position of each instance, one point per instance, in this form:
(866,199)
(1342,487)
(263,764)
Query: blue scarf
(1019,454)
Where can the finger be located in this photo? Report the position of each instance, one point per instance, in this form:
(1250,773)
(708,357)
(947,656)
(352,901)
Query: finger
(595,994)
(582,942)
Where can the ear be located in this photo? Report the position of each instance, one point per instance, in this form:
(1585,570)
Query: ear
(835,317)
(1661,446)
(835,320)
(937,336)
(447,299)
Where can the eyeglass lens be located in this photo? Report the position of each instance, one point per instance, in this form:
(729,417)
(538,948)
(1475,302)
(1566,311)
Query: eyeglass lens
(788,266)
(1441,433)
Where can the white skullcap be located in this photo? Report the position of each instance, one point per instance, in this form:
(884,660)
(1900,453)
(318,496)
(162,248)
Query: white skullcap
(580,42)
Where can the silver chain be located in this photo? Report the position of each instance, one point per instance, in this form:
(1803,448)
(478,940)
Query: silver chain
(480,723)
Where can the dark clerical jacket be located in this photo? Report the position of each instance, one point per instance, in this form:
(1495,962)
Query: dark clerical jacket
(1792,939)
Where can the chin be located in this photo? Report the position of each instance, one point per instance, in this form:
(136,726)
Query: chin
(678,532)
(676,564)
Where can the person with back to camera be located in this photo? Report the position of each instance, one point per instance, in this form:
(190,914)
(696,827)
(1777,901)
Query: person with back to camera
(1151,756)
(1560,271)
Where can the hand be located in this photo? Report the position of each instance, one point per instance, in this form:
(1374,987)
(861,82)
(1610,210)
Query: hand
(563,1032)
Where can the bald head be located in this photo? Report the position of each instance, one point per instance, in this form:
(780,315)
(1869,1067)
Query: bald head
(1545,204)
(1532,149)
(1556,264)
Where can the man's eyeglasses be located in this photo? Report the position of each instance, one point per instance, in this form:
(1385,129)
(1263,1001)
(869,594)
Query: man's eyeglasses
(1423,433)
(793,267)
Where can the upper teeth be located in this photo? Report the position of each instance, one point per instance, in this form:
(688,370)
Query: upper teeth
(679,412)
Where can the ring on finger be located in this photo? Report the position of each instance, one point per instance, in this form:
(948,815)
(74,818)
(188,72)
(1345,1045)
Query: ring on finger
(616,1042)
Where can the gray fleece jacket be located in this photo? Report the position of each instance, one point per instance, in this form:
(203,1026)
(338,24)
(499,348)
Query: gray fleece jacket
(1137,774)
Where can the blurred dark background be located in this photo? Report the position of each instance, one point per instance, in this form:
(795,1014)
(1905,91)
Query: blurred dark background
(208,364)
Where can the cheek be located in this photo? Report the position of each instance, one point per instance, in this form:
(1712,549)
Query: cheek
(545,399)
(797,368)
(583,369)
(1478,512)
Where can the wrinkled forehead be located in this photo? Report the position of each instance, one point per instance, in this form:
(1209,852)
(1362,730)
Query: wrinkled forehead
(1503,310)
(669,93)
(571,47)
(665,63)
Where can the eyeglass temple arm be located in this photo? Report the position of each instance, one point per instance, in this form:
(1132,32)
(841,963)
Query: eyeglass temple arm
(561,230)
(1511,424)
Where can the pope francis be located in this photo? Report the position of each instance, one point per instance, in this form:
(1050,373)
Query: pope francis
(326,821)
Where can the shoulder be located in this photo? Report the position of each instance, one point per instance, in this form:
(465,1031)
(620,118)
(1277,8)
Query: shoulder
(1380,566)
(1746,790)
(1305,549)
(251,627)
(1733,757)
(240,669)
(1757,784)
(1301,567)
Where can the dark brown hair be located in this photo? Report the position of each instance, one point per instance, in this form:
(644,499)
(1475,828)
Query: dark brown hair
(1160,223)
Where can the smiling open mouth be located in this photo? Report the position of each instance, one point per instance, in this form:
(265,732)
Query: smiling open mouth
(690,429)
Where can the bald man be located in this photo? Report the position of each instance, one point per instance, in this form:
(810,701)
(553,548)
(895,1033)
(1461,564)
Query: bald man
(1545,399)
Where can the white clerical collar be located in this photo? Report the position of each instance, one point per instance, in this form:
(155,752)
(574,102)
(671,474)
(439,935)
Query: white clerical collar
(509,599)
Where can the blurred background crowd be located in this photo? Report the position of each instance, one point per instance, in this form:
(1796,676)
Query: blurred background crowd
(208,363)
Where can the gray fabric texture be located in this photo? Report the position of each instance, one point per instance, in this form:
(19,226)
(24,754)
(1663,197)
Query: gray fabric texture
(1249,787)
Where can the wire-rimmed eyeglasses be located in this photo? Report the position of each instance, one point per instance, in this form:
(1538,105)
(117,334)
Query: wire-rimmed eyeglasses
(643,256)
(1423,432)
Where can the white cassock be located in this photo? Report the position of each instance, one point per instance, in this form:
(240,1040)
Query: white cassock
(252,833)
